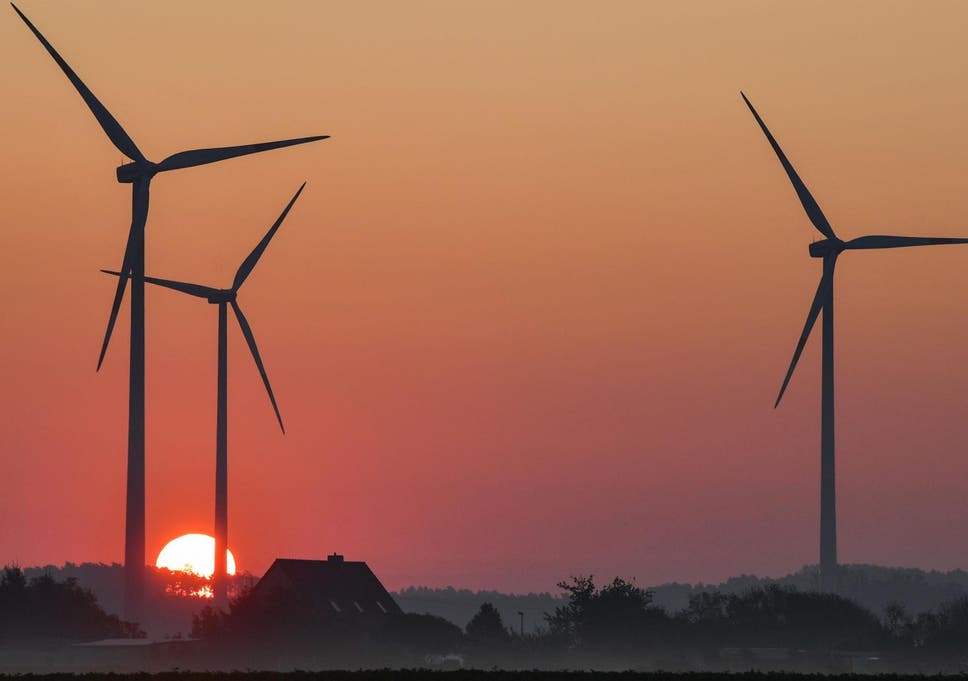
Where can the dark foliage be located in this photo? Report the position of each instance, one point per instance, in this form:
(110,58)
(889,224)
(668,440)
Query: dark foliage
(941,631)
(171,598)
(281,621)
(422,634)
(43,607)
(618,616)
(209,622)
(615,626)
(460,605)
(279,617)
(486,627)
(781,617)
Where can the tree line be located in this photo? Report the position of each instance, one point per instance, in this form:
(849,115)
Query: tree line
(44,608)
(615,625)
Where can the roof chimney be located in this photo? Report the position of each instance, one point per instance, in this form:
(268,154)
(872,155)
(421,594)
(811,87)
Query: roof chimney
(335,558)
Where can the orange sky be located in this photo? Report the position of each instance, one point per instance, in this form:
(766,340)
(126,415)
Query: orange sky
(530,315)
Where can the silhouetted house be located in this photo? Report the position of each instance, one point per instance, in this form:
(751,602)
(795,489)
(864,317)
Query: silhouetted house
(334,593)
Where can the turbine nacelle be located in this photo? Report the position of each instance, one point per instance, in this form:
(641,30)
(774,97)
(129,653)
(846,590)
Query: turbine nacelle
(223,295)
(825,247)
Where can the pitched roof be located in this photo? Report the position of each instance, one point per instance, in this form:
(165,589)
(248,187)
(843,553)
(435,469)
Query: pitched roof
(334,586)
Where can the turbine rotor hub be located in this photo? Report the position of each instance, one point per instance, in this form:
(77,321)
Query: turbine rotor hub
(130,172)
(821,249)
(225,295)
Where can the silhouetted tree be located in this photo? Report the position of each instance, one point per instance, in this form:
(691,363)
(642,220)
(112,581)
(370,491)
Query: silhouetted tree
(945,630)
(617,616)
(45,608)
(706,620)
(486,627)
(278,615)
(899,624)
(208,622)
(782,617)
(170,597)
(460,605)
(422,634)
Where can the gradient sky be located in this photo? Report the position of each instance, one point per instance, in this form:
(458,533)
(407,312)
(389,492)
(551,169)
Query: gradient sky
(530,315)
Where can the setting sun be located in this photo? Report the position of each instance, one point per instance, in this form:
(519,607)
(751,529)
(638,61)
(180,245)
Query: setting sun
(194,553)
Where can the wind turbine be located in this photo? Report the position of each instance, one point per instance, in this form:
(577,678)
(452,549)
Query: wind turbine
(829,248)
(139,173)
(223,298)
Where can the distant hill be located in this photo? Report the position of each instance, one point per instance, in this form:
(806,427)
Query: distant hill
(460,605)
(872,586)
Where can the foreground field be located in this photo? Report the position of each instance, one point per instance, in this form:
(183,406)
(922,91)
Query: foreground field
(462,675)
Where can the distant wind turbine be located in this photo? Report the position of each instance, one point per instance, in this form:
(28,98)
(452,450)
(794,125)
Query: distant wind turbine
(139,174)
(829,248)
(223,298)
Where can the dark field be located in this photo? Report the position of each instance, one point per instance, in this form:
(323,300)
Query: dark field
(463,675)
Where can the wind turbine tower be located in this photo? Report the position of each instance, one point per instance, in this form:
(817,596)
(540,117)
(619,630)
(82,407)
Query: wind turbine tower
(225,298)
(828,250)
(139,173)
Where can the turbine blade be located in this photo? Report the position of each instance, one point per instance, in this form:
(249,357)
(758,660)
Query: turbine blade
(108,123)
(880,241)
(815,308)
(197,157)
(246,267)
(250,339)
(139,215)
(196,290)
(816,215)
(115,306)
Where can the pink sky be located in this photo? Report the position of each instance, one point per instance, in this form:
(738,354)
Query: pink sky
(531,313)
